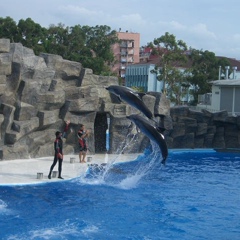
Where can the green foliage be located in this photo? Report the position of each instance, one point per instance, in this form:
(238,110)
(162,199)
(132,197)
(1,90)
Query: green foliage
(204,68)
(9,29)
(89,45)
(171,58)
(138,89)
(32,34)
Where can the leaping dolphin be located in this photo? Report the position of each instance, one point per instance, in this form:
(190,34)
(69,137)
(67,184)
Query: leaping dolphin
(129,96)
(151,132)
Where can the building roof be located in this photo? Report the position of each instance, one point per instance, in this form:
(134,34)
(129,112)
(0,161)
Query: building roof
(228,82)
(156,59)
(233,62)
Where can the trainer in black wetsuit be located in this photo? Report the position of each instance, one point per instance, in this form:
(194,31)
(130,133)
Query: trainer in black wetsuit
(58,156)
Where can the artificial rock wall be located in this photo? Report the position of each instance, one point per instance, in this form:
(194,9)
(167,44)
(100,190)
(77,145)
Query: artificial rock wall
(194,129)
(38,93)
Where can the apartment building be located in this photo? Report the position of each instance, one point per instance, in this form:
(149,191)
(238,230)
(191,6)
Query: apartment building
(126,52)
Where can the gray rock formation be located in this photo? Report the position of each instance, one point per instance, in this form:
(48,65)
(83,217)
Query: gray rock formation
(193,129)
(38,93)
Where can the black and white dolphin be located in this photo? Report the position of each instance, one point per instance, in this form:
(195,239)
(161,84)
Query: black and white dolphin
(129,96)
(151,132)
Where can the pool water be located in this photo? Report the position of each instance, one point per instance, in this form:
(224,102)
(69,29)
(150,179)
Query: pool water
(195,196)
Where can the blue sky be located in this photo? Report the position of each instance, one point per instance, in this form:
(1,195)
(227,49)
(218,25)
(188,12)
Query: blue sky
(202,24)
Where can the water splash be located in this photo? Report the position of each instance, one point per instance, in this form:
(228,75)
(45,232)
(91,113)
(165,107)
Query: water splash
(126,175)
(130,182)
(75,229)
(4,210)
(3,206)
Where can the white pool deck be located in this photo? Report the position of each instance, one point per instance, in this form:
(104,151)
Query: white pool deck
(25,171)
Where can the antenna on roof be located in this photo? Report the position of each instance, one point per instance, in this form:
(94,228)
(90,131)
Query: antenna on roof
(234,71)
(226,75)
(219,72)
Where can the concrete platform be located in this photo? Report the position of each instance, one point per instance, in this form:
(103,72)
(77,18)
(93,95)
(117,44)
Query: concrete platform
(25,171)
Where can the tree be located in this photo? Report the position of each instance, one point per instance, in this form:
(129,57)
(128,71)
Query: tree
(57,40)
(32,34)
(9,29)
(91,46)
(170,68)
(99,41)
(204,68)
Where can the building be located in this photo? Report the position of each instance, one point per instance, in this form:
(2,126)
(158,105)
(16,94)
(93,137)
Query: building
(225,93)
(126,52)
(140,76)
(225,96)
(144,54)
(232,72)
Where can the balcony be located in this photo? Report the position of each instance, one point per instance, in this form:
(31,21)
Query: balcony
(124,53)
(131,52)
(130,60)
(130,44)
(127,44)
(123,45)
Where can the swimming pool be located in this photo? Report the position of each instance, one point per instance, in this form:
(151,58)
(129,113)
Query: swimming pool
(195,196)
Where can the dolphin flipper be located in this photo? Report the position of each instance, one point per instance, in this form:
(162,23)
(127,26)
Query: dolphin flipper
(119,98)
(160,127)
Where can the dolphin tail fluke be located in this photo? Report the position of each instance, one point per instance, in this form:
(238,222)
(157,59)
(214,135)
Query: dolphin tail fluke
(163,161)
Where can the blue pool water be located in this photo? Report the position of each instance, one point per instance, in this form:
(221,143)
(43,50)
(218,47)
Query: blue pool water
(195,196)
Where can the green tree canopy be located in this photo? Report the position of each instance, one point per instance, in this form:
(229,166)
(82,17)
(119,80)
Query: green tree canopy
(32,34)
(9,29)
(171,60)
(89,45)
(204,68)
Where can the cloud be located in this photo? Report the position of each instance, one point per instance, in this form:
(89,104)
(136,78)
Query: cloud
(80,15)
(201,24)
(236,37)
(169,26)
(83,16)
(78,11)
(202,31)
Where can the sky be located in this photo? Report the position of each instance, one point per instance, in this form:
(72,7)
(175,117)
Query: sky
(202,24)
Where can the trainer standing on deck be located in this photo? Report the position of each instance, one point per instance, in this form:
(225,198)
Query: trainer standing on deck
(58,155)
(82,135)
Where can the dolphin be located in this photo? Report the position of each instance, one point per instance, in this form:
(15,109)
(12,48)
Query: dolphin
(132,98)
(151,132)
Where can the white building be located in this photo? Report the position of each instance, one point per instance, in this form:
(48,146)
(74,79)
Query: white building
(225,96)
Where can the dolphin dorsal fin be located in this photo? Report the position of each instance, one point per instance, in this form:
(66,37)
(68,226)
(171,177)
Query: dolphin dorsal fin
(135,93)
